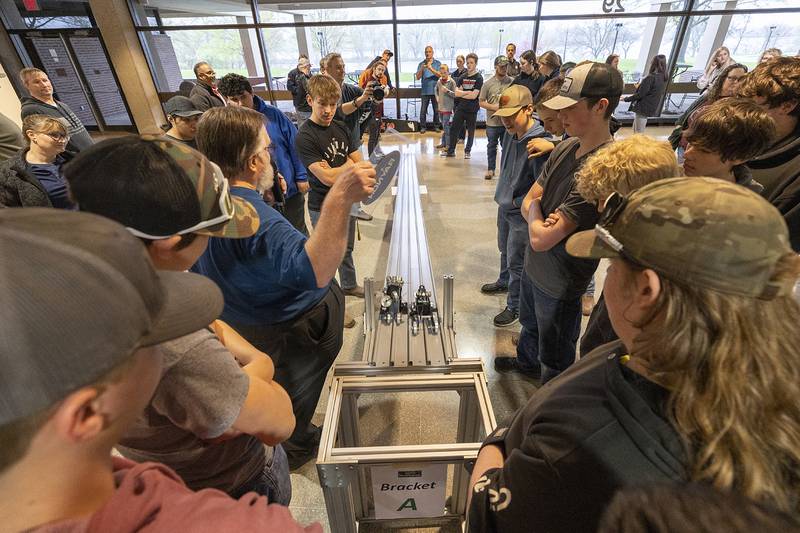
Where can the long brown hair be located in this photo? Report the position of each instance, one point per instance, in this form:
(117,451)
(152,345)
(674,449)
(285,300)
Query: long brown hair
(732,366)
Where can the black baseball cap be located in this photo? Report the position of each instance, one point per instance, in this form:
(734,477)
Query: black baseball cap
(80,296)
(589,80)
(181,106)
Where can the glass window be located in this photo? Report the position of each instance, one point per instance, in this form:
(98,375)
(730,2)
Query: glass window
(100,81)
(171,13)
(486,39)
(321,11)
(702,5)
(746,36)
(357,46)
(172,56)
(607,7)
(283,50)
(46,14)
(425,9)
(634,40)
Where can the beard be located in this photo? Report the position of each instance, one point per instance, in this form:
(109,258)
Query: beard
(266,180)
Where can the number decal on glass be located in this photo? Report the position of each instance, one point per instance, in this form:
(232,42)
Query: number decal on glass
(608,6)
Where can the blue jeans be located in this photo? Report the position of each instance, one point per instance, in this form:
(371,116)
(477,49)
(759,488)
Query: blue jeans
(512,238)
(347,270)
(550,329)
(447,121)
(273,482)
(423,112)
(494,135)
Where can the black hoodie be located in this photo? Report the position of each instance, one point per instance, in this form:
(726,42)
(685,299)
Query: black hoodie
(79,138)
(596,428)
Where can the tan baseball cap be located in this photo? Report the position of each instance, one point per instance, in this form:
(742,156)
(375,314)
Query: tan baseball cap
(514,98)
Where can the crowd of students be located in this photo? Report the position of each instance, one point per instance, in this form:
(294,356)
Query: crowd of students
(688,372)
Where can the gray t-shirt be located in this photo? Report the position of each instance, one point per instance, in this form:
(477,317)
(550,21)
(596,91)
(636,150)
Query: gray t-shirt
(444,94)
(554,271)
(199,397)
(491,91)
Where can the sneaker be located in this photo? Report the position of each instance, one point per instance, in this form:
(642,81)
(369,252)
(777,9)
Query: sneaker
(507,365)
(363,215)
(587,304)
(349,322)
(445,153)
(506,317)
(357,291)
(489,175)
(440,146)
(422,132)
(493,288)
(466,155)
(461,141)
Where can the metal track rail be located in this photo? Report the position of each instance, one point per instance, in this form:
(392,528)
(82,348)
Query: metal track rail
(415,331)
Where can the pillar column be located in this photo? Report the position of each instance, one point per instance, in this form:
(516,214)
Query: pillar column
(129,63)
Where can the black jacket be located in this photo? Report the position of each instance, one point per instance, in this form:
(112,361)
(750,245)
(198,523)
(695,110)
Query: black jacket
(298,86)
(683,121)
(20,188)
(648,95)
(596,428)
(203,98)
(79,138)
(533,83)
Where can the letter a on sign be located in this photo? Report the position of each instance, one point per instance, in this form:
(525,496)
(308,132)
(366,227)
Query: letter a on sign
(408,504)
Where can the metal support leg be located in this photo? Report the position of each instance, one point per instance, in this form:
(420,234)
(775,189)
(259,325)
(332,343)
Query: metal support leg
(338,500)
(468,431)
(349,438)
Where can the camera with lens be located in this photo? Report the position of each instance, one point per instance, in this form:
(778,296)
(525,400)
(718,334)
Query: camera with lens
(378,93)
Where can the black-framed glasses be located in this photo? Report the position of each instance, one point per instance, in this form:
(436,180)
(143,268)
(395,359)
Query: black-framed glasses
(58,137)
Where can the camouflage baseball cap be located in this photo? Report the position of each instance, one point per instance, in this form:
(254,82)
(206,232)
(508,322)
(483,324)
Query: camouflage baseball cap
(129,180)
(237,217)
(703,231)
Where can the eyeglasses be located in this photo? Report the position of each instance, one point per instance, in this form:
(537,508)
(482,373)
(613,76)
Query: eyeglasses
(226,211)
(58,137)
(612,209)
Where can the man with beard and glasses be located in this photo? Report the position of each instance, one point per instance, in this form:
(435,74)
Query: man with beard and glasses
(278,284)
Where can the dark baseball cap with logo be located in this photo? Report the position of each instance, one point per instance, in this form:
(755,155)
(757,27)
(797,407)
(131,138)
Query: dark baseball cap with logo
(158,188)
(181,106)
(589,80)
(79,297)
(704,232)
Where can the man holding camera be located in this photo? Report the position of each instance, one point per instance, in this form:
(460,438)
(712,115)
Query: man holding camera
(428,72)
(376,79)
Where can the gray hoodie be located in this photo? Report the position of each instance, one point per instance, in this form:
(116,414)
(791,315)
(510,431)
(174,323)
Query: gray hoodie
(517,172)
(79,137)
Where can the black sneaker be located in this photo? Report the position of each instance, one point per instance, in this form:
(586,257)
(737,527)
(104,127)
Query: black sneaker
(493,288)
(507,365)
(507,317)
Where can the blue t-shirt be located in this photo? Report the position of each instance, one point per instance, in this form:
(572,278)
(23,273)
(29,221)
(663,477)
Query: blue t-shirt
(267,278)
(282,133)
(429,79)
(51,177)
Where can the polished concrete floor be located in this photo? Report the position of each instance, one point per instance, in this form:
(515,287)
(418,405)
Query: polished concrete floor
(460,219)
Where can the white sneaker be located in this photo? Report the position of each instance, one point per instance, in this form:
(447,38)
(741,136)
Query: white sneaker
(466,155)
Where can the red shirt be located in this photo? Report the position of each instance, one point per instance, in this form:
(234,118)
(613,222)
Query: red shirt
(150,497)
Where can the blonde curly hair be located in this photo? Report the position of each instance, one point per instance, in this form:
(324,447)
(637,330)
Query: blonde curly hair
(624,166)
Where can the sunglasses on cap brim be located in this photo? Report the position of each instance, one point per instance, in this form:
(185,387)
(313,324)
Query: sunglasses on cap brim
(226,210)
(613,207)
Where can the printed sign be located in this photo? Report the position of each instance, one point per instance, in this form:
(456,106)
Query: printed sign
(409,491)
(385,169)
